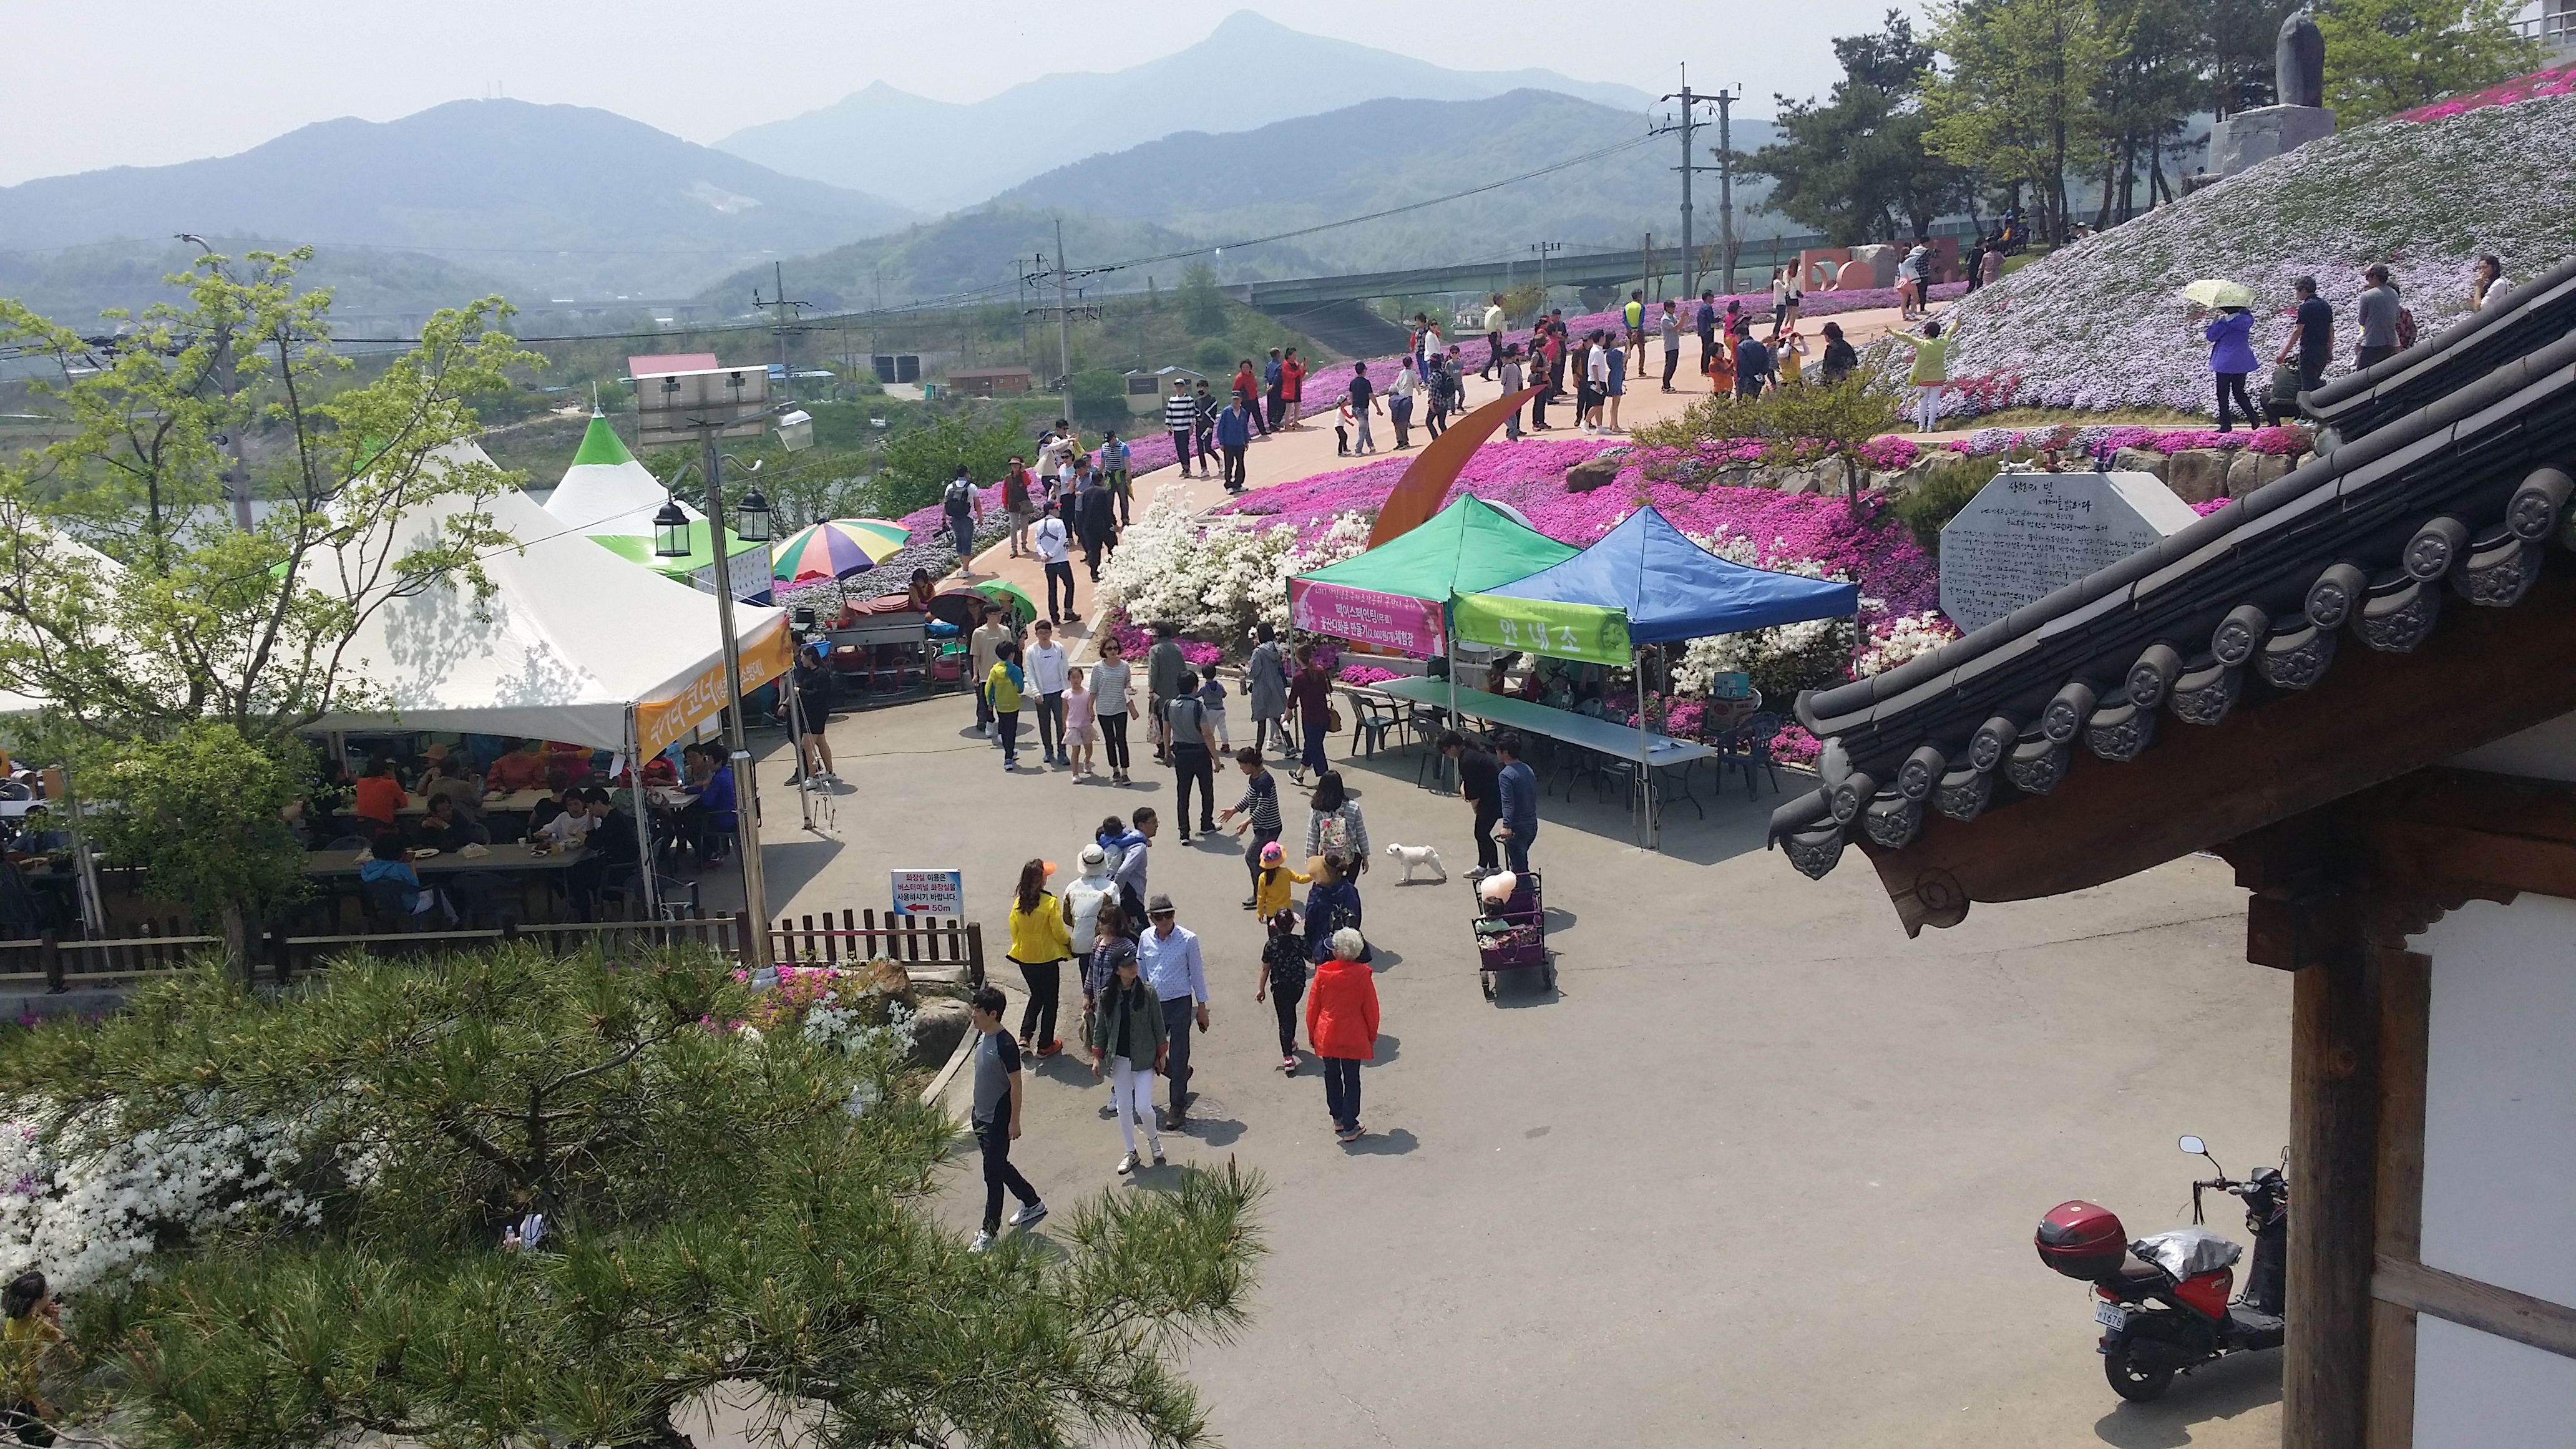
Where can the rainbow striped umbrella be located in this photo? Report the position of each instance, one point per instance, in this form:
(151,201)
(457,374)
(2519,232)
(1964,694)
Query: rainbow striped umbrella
(834,549)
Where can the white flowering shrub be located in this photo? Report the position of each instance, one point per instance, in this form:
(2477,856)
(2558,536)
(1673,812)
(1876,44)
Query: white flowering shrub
(1217,578)
(1781,659)
(1902,638)
(2102,324)
(87,1200)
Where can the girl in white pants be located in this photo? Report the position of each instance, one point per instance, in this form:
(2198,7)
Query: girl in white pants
(1131,1096)
(1127,1037)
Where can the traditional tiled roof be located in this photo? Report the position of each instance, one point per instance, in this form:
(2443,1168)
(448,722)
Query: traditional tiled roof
(2447,475)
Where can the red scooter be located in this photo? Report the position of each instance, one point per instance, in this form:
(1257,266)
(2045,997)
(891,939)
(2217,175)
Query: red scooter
(2162,1301)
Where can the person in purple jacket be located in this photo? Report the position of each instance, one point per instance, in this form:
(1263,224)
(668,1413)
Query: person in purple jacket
(2231,357)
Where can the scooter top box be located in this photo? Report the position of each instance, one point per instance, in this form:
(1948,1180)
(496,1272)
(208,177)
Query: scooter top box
(2082,1240)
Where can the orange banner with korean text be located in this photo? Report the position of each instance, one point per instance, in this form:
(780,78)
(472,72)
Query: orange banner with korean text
(766,655)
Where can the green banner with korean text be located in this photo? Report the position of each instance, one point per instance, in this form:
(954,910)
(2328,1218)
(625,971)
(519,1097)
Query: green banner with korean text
(1543,626)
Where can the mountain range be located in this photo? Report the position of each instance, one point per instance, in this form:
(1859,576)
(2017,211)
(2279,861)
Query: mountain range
(1254,131)
(1204,190)
(552,201)
(1249,72)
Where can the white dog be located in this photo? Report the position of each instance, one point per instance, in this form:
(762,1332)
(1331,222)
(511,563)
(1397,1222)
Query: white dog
(1416,856)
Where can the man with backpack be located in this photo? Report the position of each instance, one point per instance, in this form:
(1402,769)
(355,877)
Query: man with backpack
(1193,754)
(965,507)
(1493,336)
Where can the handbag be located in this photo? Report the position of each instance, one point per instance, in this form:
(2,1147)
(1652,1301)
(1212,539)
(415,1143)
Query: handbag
(1332,720)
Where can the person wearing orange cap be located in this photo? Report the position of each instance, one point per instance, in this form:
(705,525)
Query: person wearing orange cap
(1039,944)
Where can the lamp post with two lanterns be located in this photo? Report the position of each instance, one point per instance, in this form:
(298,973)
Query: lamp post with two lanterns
(709,405)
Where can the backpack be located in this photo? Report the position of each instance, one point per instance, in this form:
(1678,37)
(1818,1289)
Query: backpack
(960,497)
(1333,835)
(1285,956)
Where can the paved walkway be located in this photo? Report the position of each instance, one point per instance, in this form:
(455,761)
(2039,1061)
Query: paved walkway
(1762,1172)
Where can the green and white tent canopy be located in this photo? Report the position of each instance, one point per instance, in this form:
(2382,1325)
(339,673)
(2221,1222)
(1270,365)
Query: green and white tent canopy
(611,498)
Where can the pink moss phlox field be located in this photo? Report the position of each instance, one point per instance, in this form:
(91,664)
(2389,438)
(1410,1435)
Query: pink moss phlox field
(1365,674)
(2096,439)
(1781,530)
(2558,82)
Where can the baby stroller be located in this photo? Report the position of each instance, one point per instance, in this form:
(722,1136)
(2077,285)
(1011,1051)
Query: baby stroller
(1510,928)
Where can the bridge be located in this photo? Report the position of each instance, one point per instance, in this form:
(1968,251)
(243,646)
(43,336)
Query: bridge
(1755,258)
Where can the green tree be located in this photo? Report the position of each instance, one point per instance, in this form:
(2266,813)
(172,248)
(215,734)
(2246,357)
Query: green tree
(135,607)
(2157,70)
(2385,56)
(1100,400)
(1202,305)
(2019,100)
(920,461)
(1855,167)
(199,811)
(721,1207)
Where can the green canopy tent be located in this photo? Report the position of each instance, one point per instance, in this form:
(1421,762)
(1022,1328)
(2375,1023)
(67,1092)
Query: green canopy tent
(1397,594)
(613,499)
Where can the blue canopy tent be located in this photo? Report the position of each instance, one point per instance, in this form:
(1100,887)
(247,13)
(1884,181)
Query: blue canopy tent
(1671,588)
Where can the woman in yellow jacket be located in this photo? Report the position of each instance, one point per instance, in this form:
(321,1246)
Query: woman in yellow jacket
(1039,944)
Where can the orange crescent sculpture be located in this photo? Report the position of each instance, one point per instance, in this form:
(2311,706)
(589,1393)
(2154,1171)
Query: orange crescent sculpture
(1418,493)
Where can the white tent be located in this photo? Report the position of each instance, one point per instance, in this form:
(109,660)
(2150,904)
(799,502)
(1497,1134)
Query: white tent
(606,490)
(610,497)
(573,643)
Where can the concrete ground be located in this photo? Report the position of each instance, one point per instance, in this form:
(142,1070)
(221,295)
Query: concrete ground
(1760,1171)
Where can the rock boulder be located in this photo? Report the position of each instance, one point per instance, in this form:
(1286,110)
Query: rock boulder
(2197,475)
(2138,460)
(936,1030)
(1591,473)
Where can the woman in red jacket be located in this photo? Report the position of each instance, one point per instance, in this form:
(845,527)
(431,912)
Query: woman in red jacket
(1341,1022)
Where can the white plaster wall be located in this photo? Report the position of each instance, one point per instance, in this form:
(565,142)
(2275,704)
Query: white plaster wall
(2499,1165)
(2476,1391)
(2545,751)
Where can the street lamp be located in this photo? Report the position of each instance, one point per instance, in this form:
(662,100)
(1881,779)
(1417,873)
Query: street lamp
(703,406)
(671,531)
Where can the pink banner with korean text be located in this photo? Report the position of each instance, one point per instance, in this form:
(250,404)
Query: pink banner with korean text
(1390,621)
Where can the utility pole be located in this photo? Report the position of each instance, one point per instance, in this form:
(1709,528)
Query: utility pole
(1063,309)
(1726,186)
(1543,248)
(1063,324)
(1686,123)
(782,325)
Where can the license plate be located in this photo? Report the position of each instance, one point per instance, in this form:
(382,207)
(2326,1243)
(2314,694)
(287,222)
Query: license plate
(2111,1316)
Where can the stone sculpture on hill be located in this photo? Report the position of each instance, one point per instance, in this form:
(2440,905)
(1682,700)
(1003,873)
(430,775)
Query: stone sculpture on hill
(2299,61)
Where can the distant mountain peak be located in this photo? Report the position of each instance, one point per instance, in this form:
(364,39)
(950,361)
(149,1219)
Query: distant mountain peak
(885,141)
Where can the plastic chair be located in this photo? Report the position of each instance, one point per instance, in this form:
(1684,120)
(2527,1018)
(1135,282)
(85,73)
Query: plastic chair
(1369,724)
(1754,751)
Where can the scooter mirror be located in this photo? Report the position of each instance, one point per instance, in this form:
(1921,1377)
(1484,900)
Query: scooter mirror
(2194,1146)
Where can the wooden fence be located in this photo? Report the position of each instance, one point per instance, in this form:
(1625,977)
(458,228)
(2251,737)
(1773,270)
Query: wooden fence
(163,949)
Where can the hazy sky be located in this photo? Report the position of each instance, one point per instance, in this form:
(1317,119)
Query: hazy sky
(146,82)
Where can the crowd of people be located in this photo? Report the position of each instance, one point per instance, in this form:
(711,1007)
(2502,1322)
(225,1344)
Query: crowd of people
(1142,978)
(459,799)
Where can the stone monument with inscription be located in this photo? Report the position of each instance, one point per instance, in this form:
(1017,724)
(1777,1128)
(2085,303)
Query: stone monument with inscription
(2027,535)
(2299,77)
